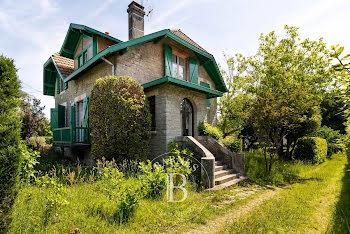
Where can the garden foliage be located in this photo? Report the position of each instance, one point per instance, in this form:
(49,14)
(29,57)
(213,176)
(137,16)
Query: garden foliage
(312,149)
(232,143)
(119,119)
(206,129)
(10,126)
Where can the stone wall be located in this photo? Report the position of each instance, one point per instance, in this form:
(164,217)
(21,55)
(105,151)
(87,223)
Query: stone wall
(168,122)
(146,63)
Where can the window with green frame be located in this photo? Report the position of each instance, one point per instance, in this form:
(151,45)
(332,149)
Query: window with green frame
(85,53)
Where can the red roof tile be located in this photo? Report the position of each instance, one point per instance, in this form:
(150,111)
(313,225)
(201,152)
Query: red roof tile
(65,65)
(179,33)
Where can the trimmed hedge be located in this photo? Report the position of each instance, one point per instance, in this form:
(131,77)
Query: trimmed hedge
(206,129)
(120,119)
(10,127)
(312,149)
(232,143)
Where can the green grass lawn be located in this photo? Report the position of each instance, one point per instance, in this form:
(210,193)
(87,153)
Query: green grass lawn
(80,213)
(310,205)
(306,203)
(341,218)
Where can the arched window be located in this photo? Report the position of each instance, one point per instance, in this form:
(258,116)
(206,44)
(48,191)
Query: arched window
(186,115)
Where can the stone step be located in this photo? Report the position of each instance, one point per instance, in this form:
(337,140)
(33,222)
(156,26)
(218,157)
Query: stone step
(228,184)
(222,173)
(219,168)
(225,179)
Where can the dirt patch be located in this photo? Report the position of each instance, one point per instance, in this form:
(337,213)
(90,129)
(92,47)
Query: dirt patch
(213,226)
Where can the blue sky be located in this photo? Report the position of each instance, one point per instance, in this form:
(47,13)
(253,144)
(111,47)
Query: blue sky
(32,30)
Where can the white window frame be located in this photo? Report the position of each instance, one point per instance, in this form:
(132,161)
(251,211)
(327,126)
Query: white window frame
(176,66)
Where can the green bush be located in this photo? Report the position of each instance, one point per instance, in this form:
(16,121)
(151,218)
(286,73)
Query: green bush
(29,160)
(119,119)
(48,140)
(153,179)
(312,149)
(206,129)
(334,139)
(331,135)
(10,126)
(36,143)
(128,200)
(232,143)
(126,193)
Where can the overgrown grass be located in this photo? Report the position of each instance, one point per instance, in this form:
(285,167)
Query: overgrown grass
(341,217)
(87,207)
(283,172)
(90,210)
(302,207)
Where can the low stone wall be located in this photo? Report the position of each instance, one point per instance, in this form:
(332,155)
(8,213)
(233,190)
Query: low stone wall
(235,161)
(202,155)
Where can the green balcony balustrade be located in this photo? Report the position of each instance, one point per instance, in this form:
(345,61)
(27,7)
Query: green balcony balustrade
(67,135)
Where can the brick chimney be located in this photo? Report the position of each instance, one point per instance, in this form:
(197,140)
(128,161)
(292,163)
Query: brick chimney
(136,20)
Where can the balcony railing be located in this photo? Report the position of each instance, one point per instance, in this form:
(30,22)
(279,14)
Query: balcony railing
(68,135)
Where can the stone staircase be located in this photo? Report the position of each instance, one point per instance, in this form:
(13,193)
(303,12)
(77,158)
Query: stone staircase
(225,177)
(220,168)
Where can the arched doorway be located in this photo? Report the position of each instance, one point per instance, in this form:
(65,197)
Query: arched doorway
(186,115)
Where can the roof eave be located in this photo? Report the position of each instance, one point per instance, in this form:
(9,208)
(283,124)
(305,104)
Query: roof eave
(210,93)
(147,38)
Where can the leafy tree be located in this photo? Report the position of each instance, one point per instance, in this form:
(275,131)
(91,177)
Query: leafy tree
(333,111)
(234,103)
(10,126)
(343,74)
(120,119)
(290,76)
(285,82)
(34,121)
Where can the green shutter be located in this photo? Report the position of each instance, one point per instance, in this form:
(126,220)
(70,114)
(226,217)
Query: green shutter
(58,84)
(208,102)
(61,116)
(72,120)
(86,118)
(168,61)
(193,64)
(54,119)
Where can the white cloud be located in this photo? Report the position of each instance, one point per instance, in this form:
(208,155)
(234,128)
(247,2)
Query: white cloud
(172,10)
(101,8)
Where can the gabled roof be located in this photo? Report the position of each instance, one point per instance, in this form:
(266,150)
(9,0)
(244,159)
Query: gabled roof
(64,65)
(181,34)
(73,35)
(207,60)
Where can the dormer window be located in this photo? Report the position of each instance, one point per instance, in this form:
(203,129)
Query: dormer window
(179,67)
(83,51)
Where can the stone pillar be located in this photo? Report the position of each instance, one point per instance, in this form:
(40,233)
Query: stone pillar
(207,172)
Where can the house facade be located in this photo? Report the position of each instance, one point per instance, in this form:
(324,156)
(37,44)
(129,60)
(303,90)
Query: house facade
(180,78)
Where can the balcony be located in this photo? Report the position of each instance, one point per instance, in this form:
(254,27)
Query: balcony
(72,136)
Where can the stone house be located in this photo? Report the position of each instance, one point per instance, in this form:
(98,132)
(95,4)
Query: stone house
(180,78)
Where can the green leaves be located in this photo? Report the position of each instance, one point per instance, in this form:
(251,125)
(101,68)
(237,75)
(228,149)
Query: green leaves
(120,119)
(281,86)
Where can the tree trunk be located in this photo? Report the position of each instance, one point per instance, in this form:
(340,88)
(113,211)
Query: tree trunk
(288,152)
(280,151)
(266,162)
(271,162)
